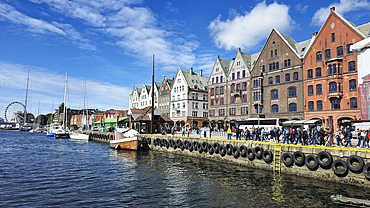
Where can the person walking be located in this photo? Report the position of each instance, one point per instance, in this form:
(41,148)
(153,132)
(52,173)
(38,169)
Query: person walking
(183,131)
(349,137)
(286,135)
(305,137)
(299,136)
(338,135)
(229,133)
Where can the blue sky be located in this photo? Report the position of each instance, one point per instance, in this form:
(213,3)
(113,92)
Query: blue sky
(111,42)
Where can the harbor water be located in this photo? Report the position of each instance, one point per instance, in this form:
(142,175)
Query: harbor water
(36,171)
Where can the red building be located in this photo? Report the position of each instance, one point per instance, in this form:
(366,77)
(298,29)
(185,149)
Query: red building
(329,72)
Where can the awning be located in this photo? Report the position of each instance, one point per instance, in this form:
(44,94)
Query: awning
(232,121)
(213,122)
(220,121)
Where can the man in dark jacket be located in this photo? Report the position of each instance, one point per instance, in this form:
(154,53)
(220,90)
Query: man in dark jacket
(321,135)
(299,136)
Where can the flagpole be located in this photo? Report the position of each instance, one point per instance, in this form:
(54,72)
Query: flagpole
(152,119)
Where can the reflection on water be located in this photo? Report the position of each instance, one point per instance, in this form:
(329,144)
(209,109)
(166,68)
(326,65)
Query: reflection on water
(36,171)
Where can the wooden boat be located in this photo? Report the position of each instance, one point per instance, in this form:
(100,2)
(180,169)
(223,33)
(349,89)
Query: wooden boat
(350,202)
(127,139)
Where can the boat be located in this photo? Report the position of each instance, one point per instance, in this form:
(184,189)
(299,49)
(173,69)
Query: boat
(24,127)
(349,202)
(126,139)
(57,131)
(80,135)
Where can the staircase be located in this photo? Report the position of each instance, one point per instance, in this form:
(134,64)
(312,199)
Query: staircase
(277,160)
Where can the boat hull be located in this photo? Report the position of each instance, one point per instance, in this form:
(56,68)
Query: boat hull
(129,143)
(79,136)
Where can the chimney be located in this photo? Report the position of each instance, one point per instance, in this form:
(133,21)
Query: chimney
(164,77)
(239,49)
(218,56)
(314,34)
(332,9)
(191,71)
(201,73)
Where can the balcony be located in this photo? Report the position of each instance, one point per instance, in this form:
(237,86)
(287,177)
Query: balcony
(335,95)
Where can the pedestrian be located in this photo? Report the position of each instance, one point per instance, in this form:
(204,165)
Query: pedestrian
(305,137)
(247,134)
(237,133)
(321,135)
(183,131)
(229,133)
(338,135)
(314,136)
(330,133)
(286,135)
(278,134)
(299,136)
(349,137)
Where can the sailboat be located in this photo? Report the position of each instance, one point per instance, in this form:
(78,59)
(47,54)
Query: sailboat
(23,127)
(80,135)
(56,130)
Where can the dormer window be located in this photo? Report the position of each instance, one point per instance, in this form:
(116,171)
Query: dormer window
(192,80)
(195,87)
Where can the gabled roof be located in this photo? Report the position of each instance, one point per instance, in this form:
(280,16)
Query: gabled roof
(365,29)
(225,65)
(193,79)
(353,26)
(146,113)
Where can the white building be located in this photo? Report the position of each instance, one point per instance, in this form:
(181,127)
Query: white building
(189,99)
(142,97)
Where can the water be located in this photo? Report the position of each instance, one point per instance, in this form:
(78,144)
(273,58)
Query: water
(36,171)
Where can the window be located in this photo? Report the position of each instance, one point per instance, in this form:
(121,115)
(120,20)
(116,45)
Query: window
(232,76)
(310,74)
(243,73)
(272,54)
(271,81)
(292,107)
(330,69)
(205,114)
(295,76)
(327,54)
(273,66)
(212,113)
(183,105)
(244,110)
(212,102)
(221,112)
(244,86)
(260,109)
(353,102)
(270,67)
(335,104)
(319,105)
(286,63)
(263,68)
(232,112)
(319,89)
(333,37)
(256,96)
(222,101)
(238,75)
(221,90)
(232,88)
(351,66)
(275,52)
(352,85)
(310,106)
(310,90)
(221,79)
(340,51)
(292,92)
(274,94)
(277,79)
(216,90)
(244,98)
(277,65)
(319,56)
(216,80)
(332,87)
(232,99)
(334,68)
(213,81)
(178,105)
(237,87)
(349,52)
(274,108)
(212,91)
(318,72)
(287,77)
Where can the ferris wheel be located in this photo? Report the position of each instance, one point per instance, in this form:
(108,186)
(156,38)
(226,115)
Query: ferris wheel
(14,112)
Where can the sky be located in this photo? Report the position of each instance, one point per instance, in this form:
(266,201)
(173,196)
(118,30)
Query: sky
(111,43)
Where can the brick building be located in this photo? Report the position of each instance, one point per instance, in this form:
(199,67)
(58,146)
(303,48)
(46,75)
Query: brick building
(329,72)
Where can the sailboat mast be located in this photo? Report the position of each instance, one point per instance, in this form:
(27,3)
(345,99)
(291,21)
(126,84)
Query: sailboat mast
(152,119)
(65,100)
(83,110)
(25,102)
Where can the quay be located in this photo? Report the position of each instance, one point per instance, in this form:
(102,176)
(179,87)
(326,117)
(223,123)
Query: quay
(335,164)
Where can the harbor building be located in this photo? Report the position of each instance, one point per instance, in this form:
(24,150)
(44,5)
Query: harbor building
(165,96)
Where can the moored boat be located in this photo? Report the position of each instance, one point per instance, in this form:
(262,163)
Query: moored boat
(79,136)
(125,138)
(56,130)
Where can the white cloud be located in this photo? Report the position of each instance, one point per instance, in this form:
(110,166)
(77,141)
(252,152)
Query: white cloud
(46,86)
(248,30)
(170,8)
(343,7)
(301,9)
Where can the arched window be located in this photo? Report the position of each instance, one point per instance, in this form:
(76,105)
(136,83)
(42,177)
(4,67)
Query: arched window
(330,69)
(277,79)
(310,106)
(310,74)
(232,88)
(292,92)
(292,107)
(319,105)
(310,90)
(332,87)
(274,108)
(352,85)
(274,94)
(318,89)
(353,102)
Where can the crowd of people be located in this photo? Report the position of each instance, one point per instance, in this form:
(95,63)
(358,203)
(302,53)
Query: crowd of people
(299,135)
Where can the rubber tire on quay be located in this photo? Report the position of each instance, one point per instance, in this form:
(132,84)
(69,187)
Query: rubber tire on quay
(195,145)
(178,142)
(204,146)
(284,158)
(267,159)
(186,144)
(298,154)
(366,170)
(199,147)
(222,151)
(229,149)
(243,151)
(250,154)
(335,167)
(236,152)
(182,146)
(356,158)
(322,155)
(310,158)
(210,148)
(216,147)
(167,144)
(174,144)
(190,147)
(258,152)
